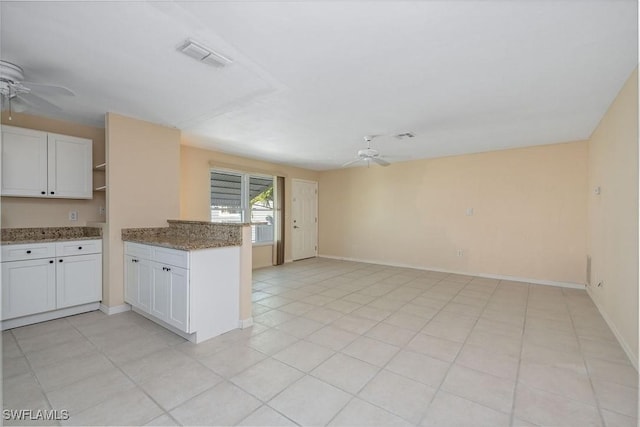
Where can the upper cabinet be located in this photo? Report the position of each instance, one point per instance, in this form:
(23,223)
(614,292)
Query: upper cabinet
(41,164)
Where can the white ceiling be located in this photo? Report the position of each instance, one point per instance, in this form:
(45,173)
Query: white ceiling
(311,78)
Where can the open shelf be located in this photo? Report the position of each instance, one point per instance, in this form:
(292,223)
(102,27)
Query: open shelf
(100,167)
(102,188)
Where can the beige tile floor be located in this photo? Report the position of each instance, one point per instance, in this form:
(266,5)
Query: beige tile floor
(341,344)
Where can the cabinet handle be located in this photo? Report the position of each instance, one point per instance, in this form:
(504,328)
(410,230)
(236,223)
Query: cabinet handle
(134,260)
(59,260)
(51,262)
(28,252)
(53,192)
(168,269)
(79,248)
(43,192)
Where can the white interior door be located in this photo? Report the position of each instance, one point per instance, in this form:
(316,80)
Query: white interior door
(304,219)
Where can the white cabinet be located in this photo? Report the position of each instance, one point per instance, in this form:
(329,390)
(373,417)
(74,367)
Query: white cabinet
(24,162)
(49,278)
(78,280)
(178,291)
(160,291)
(28,287)
(194,293)
(131,279)
(170,295)
(138,282)
(156,283)
(70,167)
(41,164)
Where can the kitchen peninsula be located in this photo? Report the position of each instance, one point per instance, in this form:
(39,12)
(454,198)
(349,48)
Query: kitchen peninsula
(192,277)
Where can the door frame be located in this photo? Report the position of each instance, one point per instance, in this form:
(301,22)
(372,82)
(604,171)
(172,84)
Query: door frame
(293,183)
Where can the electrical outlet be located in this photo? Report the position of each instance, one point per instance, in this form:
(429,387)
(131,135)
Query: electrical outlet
(469,212)
(73,215)
(460,252)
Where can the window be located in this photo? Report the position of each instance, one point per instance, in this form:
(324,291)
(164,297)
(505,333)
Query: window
(238,197)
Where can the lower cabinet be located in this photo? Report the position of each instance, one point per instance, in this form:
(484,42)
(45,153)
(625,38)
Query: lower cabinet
(178,308)
(159,289)
(47,278)
(137,291)
(78,280)
(28,287)
(193,292)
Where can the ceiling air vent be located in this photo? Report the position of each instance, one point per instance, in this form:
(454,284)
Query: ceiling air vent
(204,54)
(405,135)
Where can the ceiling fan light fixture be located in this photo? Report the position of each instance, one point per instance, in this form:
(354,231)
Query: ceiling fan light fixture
(203,54)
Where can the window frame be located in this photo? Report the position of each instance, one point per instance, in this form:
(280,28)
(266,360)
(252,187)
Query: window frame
(245,202)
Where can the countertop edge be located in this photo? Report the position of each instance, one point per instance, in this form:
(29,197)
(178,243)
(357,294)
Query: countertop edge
(52,240)
(191,246)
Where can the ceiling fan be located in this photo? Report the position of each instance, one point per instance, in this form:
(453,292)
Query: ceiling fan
(19,95)
(368,155)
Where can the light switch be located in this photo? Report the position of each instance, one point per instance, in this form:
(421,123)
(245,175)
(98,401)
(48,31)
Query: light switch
(469,211)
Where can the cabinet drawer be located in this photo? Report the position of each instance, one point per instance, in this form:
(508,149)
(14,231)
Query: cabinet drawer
(78,247)
(28,251)
(171,257)
(137,250)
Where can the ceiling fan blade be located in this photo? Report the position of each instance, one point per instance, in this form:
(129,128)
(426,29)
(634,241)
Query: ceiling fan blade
(36,102)
(351,162)
(46,89)
(380,161)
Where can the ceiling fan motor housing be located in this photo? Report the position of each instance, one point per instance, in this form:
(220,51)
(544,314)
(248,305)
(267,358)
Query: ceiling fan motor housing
(10,72)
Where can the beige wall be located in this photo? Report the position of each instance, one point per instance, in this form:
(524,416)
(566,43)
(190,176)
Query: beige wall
(194,194)
(36,212)
(613,216)
(529,216)
(143,188)
(262,256)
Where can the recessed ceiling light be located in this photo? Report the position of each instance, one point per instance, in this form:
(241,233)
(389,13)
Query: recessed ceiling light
(204,54)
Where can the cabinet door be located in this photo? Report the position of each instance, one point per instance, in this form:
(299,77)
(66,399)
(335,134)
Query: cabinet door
(178,314)
(28,287)
(78,280)
(70,167)
(24,162)
(159,291)
(145,284)
(131,279)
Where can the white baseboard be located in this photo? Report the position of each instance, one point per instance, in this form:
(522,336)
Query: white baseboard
(115,309)
(632,357)
(49,315)
(245,323)
(466,273)
(185,335)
